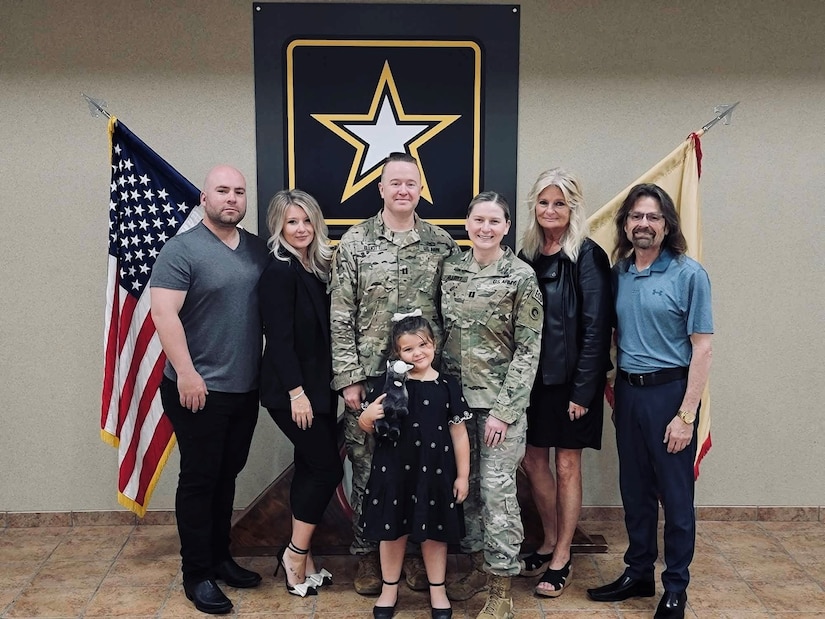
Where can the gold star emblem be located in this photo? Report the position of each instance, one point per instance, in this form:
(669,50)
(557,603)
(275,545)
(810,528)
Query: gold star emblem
(385,128)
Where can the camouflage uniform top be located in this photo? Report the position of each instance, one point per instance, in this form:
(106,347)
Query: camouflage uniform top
(492,323)
(375,273)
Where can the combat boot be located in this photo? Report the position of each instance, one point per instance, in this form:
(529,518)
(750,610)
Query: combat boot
(368,579)
(471,583)
(499,603)
(415,573)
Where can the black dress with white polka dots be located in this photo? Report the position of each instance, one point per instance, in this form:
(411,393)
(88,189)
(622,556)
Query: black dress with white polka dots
(410,490)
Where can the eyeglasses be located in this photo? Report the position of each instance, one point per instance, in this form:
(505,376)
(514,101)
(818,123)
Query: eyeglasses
(653,218)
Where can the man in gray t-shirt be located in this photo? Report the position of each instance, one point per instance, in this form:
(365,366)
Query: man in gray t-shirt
(205,309)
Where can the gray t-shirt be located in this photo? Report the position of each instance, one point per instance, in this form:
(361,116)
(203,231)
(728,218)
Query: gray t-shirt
(220,314)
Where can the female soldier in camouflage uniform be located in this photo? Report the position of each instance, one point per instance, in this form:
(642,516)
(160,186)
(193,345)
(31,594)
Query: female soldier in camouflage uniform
(492,311)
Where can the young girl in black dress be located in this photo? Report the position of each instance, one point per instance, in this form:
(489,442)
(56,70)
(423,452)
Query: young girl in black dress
(418,482)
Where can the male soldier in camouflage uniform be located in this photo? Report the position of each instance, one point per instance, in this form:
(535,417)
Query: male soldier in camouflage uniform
(386,264)
(492,323)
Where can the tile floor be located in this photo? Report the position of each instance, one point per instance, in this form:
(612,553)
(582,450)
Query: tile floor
(743,570)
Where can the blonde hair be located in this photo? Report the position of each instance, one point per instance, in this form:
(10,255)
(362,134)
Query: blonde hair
(577,229)
(319,252)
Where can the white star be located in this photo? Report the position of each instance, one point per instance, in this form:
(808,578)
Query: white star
(182,207)
(157,223)
(133,240)
(153,253)
(162,237)
(114,186)
(139,254)
(139,209)
(171,222)
(143,224)
(128,164)
(162,194)
(136,283)
(124,195)
(127,256)
(384,136)
(153,208)
(131,226)
(148,240)
(135,194)
(131,180)
(167,208)
(112,205)
(148,194)
(144,180)
(127,211)
(117,148)
(144,268)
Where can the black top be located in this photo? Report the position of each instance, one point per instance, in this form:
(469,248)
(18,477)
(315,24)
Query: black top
(295,312)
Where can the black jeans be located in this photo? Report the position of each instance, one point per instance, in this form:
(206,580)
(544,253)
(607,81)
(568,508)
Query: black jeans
(318,466)
(214,445)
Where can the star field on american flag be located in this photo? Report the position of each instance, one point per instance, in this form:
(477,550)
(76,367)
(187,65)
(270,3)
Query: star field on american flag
(143,214)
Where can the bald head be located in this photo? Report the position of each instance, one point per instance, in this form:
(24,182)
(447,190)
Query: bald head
(224,196)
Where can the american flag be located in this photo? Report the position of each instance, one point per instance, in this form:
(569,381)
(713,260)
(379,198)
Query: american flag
(150,202)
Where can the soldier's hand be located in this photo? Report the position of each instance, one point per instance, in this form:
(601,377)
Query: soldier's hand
(495,431)
(678,435)
(354,395)
(461,488)
(192,391)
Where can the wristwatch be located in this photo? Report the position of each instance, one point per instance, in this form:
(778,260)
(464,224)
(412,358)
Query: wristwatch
(686,416)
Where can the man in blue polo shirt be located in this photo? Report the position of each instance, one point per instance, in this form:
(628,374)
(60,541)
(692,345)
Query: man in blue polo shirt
(664,328)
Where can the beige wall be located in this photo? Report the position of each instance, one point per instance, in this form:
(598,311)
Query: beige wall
(606,88)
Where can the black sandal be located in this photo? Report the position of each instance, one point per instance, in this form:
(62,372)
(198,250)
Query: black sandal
(440,613)
(534,563)
(385,612)
(557,578)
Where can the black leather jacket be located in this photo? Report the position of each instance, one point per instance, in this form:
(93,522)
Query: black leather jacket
(578,319)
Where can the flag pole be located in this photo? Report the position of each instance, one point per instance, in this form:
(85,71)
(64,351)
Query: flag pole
(96,108)
(724,112)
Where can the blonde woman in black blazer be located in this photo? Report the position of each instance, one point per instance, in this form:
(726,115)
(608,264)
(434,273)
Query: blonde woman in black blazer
(297,369)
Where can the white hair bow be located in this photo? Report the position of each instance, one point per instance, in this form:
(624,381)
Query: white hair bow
(399,316)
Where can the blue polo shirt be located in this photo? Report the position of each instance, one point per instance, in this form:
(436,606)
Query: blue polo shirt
(658,309)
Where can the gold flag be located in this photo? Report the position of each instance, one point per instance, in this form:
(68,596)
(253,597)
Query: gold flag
(678,174)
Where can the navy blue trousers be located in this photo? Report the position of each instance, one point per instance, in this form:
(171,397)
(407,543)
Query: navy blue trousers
(648,473)
(214,445)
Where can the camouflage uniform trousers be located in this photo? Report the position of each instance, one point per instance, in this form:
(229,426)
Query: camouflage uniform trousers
(360,447)
(491,511)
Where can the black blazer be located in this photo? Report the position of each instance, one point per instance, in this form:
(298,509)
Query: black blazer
(295,312)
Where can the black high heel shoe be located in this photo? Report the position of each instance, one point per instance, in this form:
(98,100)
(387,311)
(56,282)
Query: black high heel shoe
(385,612)
(304,589)
(440,613)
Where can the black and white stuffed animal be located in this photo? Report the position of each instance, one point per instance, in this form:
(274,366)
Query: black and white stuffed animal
(395,404)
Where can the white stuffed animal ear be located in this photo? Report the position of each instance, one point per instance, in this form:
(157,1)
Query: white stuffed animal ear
(399,367)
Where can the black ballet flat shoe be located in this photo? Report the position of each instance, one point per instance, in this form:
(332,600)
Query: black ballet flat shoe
(671,606)
(303,589)
(440,613)
(207,597)
(622,589)
(236,576)
(385,612)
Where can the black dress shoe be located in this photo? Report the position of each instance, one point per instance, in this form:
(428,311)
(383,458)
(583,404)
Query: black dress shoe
(671,606)
(623,588)
(208,597)
(236,576)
